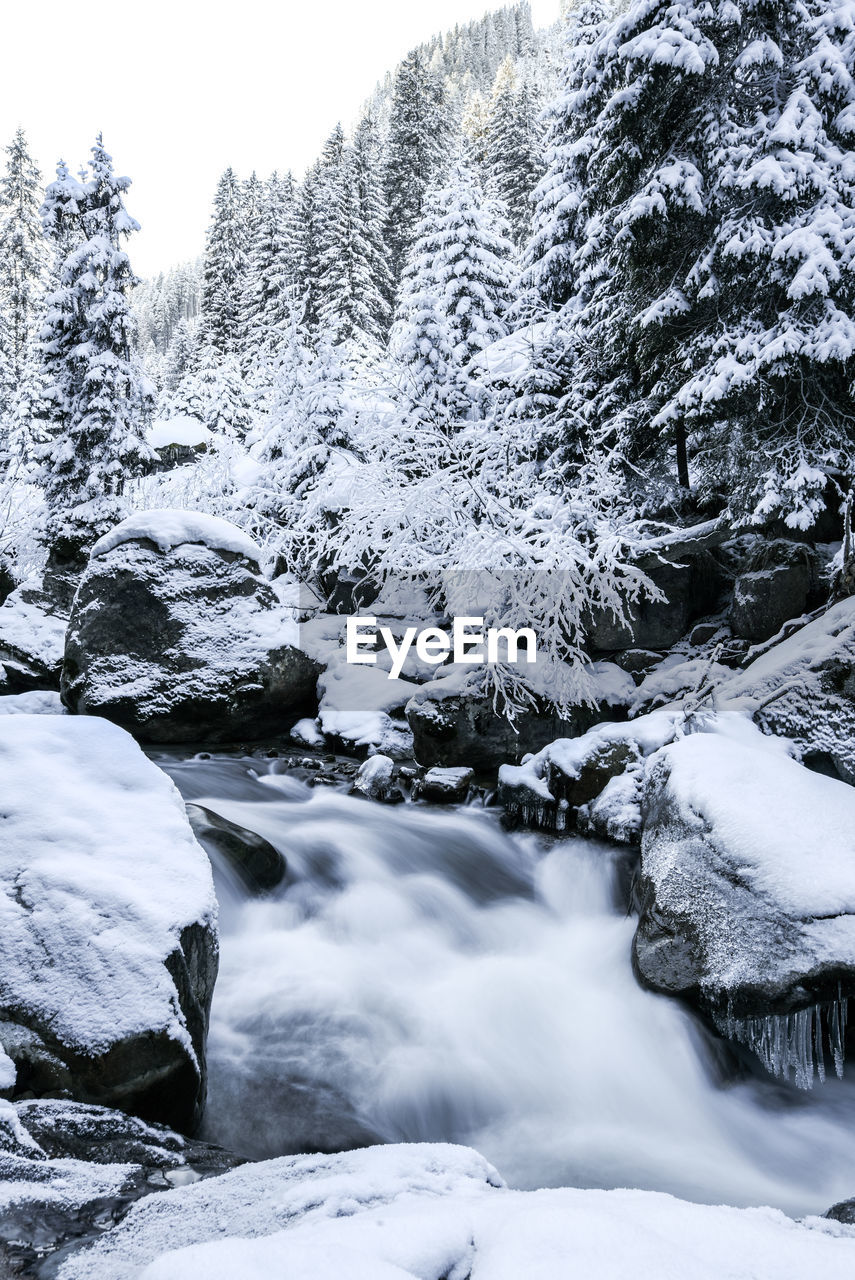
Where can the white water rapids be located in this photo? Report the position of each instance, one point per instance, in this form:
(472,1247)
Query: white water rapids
(423,976)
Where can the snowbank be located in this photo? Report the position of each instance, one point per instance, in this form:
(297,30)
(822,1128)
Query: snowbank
(422,1212)
(168,528)
(181,431)
(101,878)
(356,703)
(38,702)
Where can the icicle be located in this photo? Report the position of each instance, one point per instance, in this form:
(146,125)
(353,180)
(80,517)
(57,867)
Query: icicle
(793,1043)
(543,816)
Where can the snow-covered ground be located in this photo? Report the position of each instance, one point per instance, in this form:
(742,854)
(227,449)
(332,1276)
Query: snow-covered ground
(442,1213)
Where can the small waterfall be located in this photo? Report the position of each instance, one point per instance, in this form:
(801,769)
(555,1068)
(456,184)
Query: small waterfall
(422,975)
(794,1044)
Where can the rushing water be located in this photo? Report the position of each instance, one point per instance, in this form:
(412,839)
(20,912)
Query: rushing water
(423,976)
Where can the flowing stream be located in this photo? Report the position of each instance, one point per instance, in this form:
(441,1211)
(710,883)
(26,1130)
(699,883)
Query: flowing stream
(423,976)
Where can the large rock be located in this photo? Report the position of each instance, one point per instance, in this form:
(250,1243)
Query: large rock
(70,1170)
(563,782)
(176,636)
(772,588)
(461,728)
(689,586)
(33,623)
(7,580)
(747,892)
(259,865)
(455,723)
(108,944)
(804,690)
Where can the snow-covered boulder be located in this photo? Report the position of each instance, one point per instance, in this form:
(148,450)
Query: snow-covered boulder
(375,780)
(747,891)
(108,944)
(444,786)
(563,782)
(361,708)
(772,588)
(182,433)
(804,689)
(420,1212)
(38,702)
(176,636)
(32,637)
(66,1168)
(455,723)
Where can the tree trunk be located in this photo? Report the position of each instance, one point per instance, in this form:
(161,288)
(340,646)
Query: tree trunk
(682,457)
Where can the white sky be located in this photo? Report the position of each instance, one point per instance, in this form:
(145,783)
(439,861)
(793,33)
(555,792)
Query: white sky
(182,89)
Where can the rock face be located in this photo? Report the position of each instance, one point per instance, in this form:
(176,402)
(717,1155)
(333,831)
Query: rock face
(108,944)
(348,590)
(773,588)
(462,729)
(455,724)
(690,587)
(747,893)
(176,637)
(804,689)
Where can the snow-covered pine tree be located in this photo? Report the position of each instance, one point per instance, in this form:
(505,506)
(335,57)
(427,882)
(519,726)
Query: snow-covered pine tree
(474,123)
(310,212)
(272,280)
(213,390)
(770,398)
(368,173)
(550,254)
(181,356)
(513,151)
(418,137)
(695,225)
(624,215)
(351,275)
(225,265)
(455,290)
(99,400)
(421,343)
(309,436)
(23,255)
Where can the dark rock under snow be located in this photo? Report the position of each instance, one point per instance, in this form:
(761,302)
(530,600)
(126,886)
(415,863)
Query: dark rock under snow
(176,636)
(746,892)
(108,941)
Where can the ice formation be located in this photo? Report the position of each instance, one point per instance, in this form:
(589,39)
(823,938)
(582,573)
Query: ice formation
(795,1044)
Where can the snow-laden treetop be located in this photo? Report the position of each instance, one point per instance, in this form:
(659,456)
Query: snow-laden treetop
(168,528)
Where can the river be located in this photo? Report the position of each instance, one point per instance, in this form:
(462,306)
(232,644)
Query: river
(421,975)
